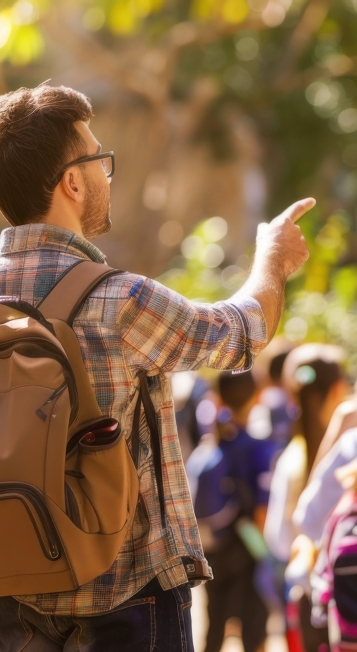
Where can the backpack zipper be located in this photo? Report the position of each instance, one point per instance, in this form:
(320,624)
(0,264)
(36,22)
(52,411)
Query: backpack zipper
(40,413)
(41,519)
(48,350)
(72,510)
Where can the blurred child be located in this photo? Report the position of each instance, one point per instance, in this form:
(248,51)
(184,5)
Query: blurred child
(274,415)
(273,419)
(230,501)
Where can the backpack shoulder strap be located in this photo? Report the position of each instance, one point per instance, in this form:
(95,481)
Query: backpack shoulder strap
(60,307)
(63,302)
(72,288)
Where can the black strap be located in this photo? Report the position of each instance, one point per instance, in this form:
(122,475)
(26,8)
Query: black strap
(135,441)
(144,398)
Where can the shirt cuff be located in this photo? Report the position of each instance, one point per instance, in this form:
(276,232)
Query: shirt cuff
(253,322)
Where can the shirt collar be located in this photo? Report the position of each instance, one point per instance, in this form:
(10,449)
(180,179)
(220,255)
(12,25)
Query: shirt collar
(28,237)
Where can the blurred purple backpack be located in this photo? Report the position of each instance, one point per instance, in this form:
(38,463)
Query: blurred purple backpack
(334,578)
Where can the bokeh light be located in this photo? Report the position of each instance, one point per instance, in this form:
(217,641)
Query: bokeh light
(170,233)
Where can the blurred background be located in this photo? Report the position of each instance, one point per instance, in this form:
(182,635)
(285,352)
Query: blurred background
(220,113)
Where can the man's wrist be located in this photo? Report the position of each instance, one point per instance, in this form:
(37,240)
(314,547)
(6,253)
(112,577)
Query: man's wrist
(270,265)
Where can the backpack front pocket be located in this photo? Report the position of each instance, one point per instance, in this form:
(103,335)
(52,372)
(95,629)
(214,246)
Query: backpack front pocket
(98,476)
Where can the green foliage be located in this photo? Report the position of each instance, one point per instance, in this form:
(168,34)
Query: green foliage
(121,17)
(126,17)
(320,298)
(198,273)
(230,11)
(21,39)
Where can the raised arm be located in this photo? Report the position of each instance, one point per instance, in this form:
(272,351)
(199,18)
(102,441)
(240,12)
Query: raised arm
(164,330)
(280,250)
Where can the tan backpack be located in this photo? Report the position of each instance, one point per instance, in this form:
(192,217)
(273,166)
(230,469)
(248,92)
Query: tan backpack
(68,484)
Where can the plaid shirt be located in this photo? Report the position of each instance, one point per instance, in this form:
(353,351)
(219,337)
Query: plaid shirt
(130,323)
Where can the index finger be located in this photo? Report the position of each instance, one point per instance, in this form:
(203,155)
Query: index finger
(299,208)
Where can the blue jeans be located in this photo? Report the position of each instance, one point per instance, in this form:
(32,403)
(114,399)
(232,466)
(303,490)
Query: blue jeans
(153,620)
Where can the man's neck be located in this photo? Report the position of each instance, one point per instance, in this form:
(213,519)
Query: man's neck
(64,214)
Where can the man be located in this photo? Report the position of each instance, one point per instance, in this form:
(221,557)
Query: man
(54,190)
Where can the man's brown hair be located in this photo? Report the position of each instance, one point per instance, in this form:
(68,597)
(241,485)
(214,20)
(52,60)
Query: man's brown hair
(37,138)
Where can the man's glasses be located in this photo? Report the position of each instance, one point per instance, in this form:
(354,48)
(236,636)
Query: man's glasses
(106,159)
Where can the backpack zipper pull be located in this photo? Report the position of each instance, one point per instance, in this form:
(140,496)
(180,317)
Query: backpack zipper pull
(40,413)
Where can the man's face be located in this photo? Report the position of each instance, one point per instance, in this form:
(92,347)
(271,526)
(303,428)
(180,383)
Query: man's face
(95,218)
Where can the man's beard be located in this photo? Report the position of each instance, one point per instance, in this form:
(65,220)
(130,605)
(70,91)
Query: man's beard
(95,218)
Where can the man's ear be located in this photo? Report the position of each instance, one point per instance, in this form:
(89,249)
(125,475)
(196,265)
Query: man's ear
(72,184)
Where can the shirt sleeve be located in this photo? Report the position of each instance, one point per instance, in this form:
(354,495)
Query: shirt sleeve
(324,490)
(173,334)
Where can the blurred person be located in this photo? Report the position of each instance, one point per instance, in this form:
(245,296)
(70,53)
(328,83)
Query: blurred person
(276,398)
(324,489)
(343,418)
(313,373)
(275,413)
(230,501)
(195,409)
(333,580)
(314,376)
(273,419)
(55,192)
(326,515)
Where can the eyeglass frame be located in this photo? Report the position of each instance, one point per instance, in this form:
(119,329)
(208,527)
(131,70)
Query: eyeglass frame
(86,159)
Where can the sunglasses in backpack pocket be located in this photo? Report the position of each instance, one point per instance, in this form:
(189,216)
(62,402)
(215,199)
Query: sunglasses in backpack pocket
(97,474)
(96,436)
